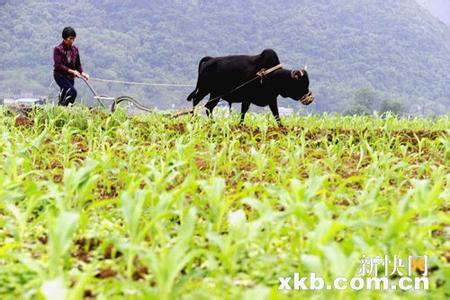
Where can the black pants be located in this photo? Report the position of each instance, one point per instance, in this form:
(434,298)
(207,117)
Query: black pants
(68,93)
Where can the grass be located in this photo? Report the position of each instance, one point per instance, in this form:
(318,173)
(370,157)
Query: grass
(109,206)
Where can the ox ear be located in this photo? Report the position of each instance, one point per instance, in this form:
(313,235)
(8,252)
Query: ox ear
(296,74)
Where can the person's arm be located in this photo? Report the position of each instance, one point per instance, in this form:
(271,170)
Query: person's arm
(79,67)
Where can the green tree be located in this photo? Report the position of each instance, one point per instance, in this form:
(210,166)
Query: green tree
(364,102)
(394,106)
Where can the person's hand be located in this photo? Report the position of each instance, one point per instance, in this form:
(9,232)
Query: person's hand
(85,76)
(76,73)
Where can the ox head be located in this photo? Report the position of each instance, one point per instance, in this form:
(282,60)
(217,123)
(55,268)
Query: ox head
(298,87)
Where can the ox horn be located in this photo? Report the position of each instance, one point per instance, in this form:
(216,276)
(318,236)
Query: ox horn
(305,68)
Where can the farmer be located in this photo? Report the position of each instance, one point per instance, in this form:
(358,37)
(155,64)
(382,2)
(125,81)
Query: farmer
(67,66)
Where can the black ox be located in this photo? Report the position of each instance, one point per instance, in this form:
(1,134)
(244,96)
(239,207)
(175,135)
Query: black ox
(218,76)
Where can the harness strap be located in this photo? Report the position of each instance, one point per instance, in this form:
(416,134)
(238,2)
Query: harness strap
(264,72)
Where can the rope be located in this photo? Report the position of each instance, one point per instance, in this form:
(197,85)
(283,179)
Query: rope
(260,75)
(141,83)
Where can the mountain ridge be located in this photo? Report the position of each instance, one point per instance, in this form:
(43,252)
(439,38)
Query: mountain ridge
(347,45)
(438,8)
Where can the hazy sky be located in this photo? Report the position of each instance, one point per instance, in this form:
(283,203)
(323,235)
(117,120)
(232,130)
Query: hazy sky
(439,8)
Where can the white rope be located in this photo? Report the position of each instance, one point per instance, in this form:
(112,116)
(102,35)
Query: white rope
(141,83)
(260,73)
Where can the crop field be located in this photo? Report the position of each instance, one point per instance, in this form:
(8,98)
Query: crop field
(102,206)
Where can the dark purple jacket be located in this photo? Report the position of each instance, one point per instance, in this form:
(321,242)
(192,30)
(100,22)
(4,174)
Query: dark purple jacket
(66,58)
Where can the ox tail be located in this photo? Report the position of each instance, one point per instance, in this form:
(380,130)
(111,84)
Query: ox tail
(194,93)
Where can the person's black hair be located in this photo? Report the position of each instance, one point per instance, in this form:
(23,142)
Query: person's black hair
(67,32)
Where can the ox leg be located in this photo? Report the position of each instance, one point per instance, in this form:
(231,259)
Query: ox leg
(244,109)
(199,97)
(274,108)
(211,105)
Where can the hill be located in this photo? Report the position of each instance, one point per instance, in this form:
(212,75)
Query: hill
(393,50)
